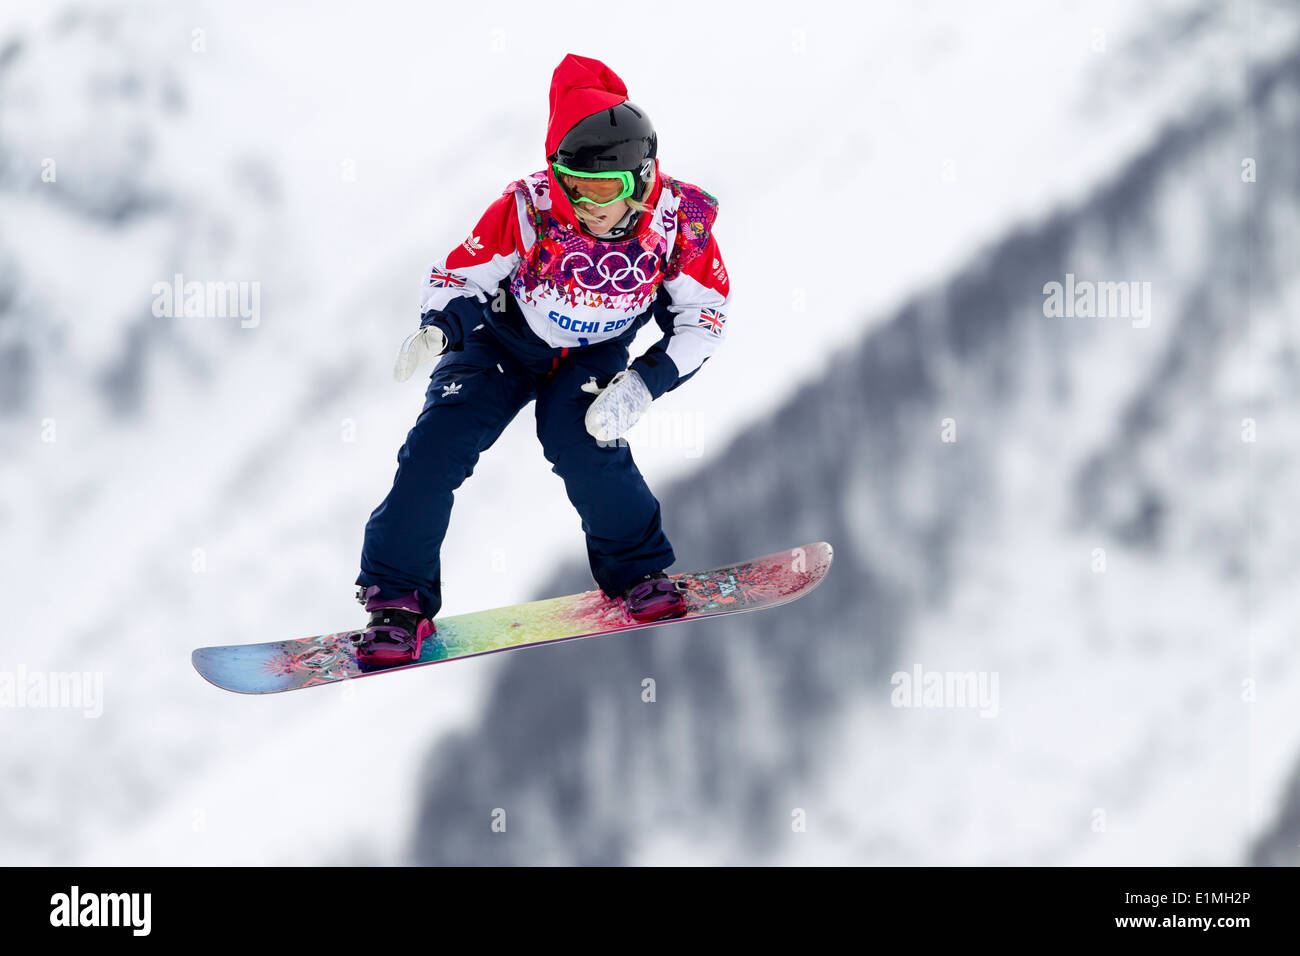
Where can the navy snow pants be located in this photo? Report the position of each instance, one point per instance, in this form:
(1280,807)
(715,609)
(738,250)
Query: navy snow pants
(473,395)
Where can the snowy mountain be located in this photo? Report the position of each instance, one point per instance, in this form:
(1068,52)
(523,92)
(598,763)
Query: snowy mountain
(1121,695)
(170,482)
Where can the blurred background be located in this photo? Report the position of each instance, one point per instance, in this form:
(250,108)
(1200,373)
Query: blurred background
(1093,513)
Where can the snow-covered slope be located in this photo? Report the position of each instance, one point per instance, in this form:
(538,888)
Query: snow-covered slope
(208,483)
(1146,708)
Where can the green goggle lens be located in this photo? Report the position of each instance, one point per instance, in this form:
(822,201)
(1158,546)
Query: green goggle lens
(599,189)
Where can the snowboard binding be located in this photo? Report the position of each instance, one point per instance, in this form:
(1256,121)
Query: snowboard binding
(654,597)
(396,632)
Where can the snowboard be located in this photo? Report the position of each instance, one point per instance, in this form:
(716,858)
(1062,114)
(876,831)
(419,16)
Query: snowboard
(271,668)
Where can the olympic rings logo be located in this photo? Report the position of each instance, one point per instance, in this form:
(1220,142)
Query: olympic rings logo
(616,274)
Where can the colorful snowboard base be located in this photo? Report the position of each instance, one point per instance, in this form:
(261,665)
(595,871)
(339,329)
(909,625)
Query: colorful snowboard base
(277,666)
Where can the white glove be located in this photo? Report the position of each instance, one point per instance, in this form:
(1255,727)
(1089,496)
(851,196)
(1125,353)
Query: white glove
(424,343)
(617,407)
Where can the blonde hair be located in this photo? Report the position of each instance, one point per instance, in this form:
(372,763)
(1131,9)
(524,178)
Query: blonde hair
(585,214)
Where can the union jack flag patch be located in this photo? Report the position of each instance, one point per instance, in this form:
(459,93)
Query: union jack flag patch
(712,320)
(445,280)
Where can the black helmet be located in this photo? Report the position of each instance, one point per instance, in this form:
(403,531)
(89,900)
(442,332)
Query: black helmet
(615,139)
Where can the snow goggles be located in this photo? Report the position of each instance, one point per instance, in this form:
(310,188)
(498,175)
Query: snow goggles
(599,189)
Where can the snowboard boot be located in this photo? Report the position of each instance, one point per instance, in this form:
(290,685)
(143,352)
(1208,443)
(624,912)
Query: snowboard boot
(654,597)
(396,631)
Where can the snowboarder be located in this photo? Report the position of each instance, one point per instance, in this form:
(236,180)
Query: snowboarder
(542,301)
